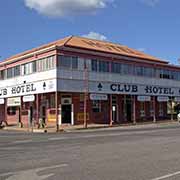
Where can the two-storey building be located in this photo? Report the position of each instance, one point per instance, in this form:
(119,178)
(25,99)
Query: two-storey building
(76,79)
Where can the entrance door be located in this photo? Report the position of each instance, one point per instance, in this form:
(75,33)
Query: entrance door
(66,114)
(129,110)
(31,114)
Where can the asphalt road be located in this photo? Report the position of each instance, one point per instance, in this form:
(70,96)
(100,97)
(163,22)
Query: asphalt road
(145,154)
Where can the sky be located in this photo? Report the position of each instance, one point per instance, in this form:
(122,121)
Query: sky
(151,26)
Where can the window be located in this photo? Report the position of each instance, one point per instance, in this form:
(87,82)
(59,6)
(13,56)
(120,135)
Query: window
(2,74)
(116,67)
(11,111)
(17,71)
(34,66)
(99,66)
(139,71)
(148,72)
(65,61)
(44,64)
(40,66)
(68,62)
(50,62)
(163,74)
(127,69)
(103,66)
(26,68)
(74,62)
(96,106)
(10,72)
(94,65)
(174,75)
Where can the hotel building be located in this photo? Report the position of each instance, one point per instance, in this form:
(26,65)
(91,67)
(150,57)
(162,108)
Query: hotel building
(78,80)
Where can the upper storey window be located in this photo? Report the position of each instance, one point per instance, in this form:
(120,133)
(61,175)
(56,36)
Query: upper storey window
(103,66)
(149,72)
(68,62)
(100,66)
(127,69)
(94,65)
(10,73)
(139,71)
(45,64)
(2,74)
(13,72)
(28,68)
(116,67)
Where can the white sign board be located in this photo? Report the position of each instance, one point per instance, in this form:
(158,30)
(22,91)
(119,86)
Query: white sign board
(144,98)
(1,101)
(101,97)
(162,99)
(29,98)
(16,101)
(29,88)
(118,88)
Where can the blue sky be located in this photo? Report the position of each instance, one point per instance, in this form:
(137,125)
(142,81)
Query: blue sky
(149,25)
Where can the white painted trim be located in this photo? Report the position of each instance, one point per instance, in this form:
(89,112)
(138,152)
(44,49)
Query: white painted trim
(167,176)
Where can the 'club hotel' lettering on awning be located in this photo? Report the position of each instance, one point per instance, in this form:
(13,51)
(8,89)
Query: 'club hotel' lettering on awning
(127,88)
(18,89)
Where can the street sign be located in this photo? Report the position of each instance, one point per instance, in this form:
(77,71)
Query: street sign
(15,101)
(29,98)
(101,97)
(162,99)
(144,98)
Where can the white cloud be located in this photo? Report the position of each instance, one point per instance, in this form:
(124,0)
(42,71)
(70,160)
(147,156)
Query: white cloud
(94,35)
(59,8)
(141,49)
(151,3)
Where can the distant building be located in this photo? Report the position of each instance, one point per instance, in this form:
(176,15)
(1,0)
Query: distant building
(47,84)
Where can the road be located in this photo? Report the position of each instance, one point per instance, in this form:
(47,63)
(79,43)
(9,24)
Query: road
(142,154)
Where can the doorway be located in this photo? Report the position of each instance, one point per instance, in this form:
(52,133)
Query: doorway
(128,108)
(31,114)
(66,113)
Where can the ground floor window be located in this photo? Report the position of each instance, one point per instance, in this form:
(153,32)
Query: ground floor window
(11,111)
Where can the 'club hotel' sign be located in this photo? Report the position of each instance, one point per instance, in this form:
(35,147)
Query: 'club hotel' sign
(28,88)
(119,88)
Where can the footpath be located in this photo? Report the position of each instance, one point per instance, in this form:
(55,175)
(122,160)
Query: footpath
(96,127)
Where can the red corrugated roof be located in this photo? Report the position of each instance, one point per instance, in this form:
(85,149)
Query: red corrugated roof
(90,44)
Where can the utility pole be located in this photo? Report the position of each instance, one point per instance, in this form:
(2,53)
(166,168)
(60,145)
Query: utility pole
(86,92)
